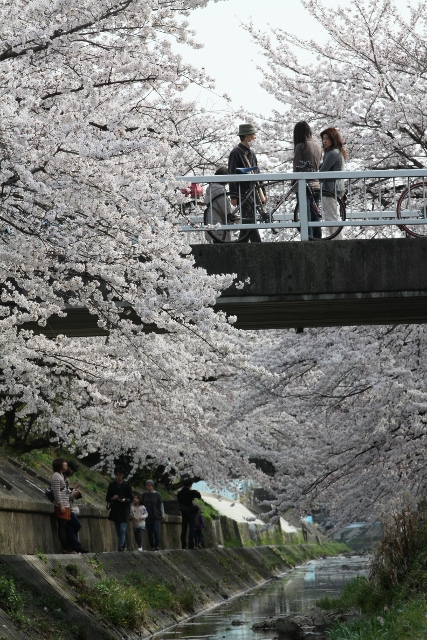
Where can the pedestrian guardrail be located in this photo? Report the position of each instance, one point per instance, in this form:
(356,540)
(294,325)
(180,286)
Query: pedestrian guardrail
(291,206)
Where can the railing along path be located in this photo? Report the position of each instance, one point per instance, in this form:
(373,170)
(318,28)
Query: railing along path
(382,203)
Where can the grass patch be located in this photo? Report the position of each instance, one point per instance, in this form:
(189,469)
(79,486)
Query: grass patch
(208,512)
(232,542)
(41,555)
(57,569)
(97,566)
(404,621)
(10,598)
(118,603)
(125,602)
(358,593)
(163,595)
(393,599)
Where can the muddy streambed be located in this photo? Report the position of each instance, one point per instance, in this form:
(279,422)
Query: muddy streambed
(292,592)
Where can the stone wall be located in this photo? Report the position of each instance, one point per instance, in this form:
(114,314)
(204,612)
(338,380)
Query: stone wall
(27,527)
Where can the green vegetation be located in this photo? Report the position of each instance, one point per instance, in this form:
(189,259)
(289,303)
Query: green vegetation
(34,611)
(393,599)
(97,566)
(232,541)
(9,597)
(118,603)
(125,602)
(208,512)
(297,554)
(56,569)
(41,555)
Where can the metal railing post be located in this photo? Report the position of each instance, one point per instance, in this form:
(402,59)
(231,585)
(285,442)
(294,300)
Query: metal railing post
(302,205)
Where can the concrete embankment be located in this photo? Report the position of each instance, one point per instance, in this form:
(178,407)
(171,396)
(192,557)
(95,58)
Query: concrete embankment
(116,595)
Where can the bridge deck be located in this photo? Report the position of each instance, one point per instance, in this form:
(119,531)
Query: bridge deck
(304,284)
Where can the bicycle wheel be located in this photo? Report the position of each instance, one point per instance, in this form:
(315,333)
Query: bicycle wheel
(331,208)
(413,204)
(212,217)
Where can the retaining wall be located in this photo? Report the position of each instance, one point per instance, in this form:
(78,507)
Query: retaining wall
(27,527)
(55,589)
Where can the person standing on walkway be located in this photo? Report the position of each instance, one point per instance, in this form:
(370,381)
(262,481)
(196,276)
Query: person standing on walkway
(308,150)
(188,512)
(152,501)
(138,515)
(73,525)
(61,502)
(333,160)
(119,497)
(242,157)
(199,525)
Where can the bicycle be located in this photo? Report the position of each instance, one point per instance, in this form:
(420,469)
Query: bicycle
(214,215)
(325,199)
(288,201)
(412,204)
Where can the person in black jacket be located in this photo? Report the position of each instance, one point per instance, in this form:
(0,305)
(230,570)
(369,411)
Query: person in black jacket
(152,501)
(240,157)
(119,497)
(188,512)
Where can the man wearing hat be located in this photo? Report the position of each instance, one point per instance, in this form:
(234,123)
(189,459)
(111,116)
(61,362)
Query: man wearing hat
(243,157)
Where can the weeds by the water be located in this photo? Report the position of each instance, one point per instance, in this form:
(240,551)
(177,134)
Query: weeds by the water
(125,602)
(118,603)
(360,594)
(406,621)
(392,601)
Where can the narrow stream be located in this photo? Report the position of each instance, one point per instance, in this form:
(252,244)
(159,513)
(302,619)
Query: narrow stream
(292,592)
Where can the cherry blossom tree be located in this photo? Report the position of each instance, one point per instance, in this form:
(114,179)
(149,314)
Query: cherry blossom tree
(367,77)
(342,418)
(95,127)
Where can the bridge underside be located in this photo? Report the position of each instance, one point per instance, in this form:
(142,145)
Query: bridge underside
(303,284)
(261,313)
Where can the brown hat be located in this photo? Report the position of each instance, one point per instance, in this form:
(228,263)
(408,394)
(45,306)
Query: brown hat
(246,129)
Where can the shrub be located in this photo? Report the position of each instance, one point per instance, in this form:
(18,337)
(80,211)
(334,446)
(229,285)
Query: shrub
(357,593)
(119,603)
(9,597)
(403,542)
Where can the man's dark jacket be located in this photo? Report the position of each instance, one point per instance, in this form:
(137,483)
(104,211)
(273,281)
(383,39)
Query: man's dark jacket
(236,160)
(186,496)
(119,511)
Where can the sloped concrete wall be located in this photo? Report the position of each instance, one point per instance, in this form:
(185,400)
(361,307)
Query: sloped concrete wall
(213,575)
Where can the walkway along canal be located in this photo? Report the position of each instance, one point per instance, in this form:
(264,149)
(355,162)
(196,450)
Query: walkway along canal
(290,593)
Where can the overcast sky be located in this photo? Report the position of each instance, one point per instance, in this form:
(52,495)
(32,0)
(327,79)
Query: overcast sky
(229,55)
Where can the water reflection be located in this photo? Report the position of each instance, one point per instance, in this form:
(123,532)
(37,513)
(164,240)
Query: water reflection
(293,592)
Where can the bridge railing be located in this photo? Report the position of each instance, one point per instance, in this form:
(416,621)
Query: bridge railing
(291,206)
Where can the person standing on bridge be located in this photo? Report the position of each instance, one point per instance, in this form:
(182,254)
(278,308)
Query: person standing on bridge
(242,193)
(308,150)
(333,160)
(219,210)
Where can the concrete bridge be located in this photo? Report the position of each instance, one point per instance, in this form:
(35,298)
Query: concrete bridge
(320,284)
(305,284)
